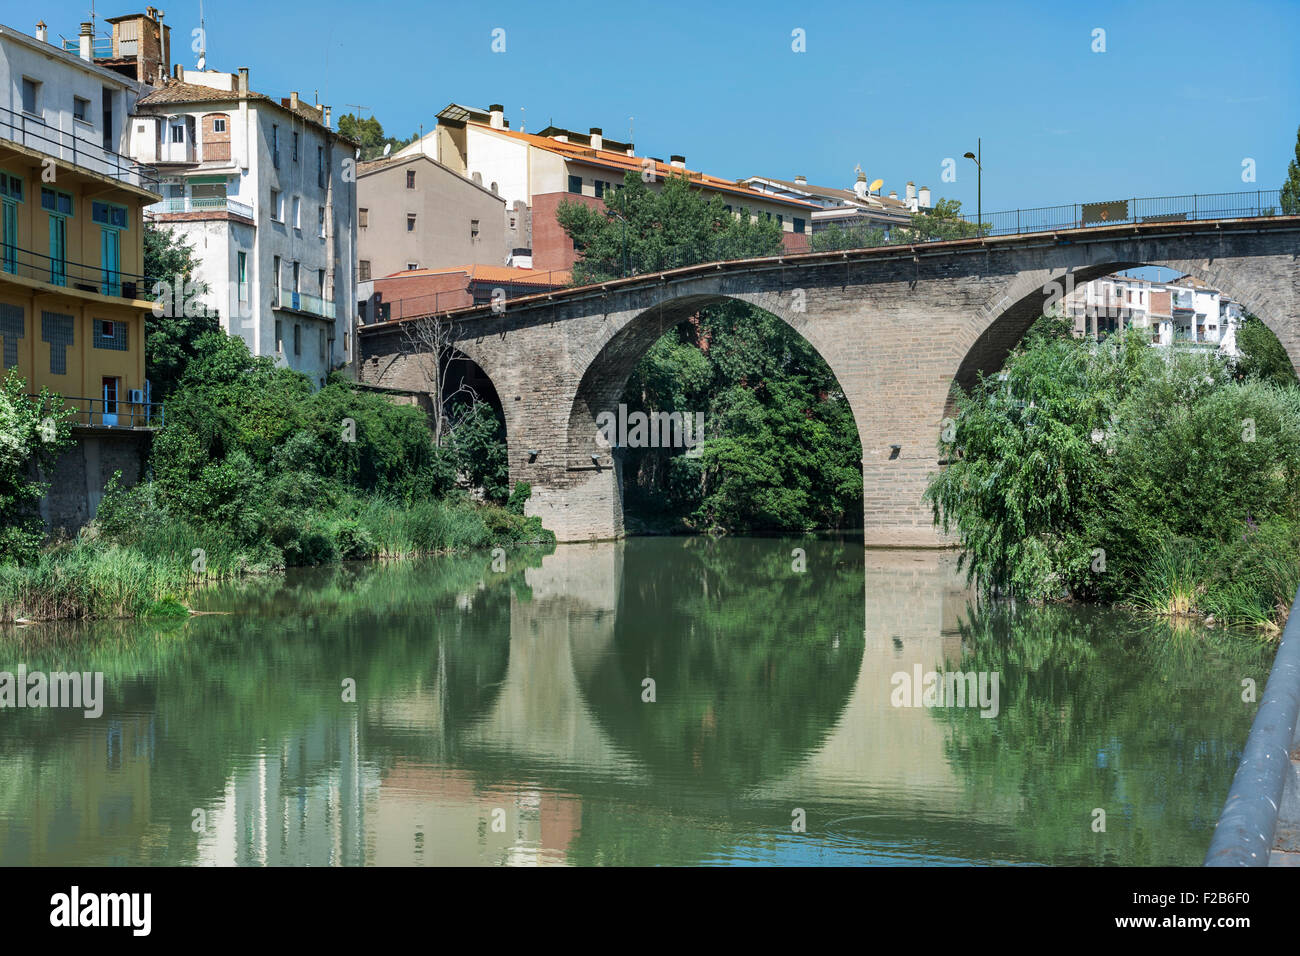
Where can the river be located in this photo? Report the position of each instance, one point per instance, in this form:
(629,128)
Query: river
(652,701)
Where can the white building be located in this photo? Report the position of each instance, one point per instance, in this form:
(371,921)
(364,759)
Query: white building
(848,207)
(258,188)
(1185,313)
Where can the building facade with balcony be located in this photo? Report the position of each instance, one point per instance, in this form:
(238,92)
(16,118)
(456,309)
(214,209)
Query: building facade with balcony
(73,300)
(1185,312)
(265,193)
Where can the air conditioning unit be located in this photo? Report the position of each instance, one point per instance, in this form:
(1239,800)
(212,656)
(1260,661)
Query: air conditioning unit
(135,396)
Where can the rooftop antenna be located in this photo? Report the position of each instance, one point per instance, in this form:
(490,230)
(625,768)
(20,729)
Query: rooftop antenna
(630,137)
(358,107)
(522,118)
(203,39)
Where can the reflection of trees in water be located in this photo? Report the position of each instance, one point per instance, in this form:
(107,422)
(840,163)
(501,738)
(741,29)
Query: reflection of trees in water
(222,687)
(752,661)
(1099,710)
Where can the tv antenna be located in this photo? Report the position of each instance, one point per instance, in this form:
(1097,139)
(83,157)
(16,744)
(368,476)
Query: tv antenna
(203,39)
(358,107)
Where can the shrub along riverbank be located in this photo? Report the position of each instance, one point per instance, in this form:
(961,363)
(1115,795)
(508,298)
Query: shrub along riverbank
(1112,471)
(255,472)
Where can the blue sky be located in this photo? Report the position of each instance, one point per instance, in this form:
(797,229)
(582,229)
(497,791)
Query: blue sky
(1183,93)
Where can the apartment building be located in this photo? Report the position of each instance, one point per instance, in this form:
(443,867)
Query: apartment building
(847,207)
(258,188)
(415,213)
(539,171)
(73,300)
(1185,312)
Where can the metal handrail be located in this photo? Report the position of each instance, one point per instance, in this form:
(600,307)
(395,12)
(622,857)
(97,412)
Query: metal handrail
(15,260)
(1244,835)
(119,413)
(303,302)
(199,204)
(32,131)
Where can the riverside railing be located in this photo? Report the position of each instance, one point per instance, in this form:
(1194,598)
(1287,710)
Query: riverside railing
(1266,779)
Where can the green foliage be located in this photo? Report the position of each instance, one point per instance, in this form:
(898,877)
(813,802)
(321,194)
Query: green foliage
(663,228)
(1291,188)
(478,448)
(1263,357)
(859,235)
(369,132)
(172,338)
(34,431)
(1080,451)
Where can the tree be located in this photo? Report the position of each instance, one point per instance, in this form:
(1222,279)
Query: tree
(370,134)
(1291,188)
(1262,355)
(644,230)
(859,235)
(178,321)
(941,222)
(431,339)
(34,431)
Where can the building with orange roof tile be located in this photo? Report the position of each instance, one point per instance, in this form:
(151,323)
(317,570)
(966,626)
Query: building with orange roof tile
(547,168)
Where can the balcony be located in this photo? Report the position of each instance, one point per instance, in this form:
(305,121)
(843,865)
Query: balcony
(73,275)
(36,134)
(199,204)
(112,413)
(302,302)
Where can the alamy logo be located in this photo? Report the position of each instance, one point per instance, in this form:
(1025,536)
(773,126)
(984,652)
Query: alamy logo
(649,430)
(78,690)
(946,689)
(102,909)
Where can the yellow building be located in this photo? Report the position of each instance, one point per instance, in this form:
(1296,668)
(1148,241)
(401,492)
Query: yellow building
(72,297)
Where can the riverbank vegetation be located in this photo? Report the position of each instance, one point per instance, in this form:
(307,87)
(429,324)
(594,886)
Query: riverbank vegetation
(255,472)
(1111,471)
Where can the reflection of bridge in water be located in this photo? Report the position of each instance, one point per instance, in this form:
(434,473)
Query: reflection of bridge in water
(533,752)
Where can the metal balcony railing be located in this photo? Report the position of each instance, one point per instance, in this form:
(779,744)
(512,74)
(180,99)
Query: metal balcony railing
(73,275)
(34,133)
(112,413)
(302,302)
(200,204)
(101,48)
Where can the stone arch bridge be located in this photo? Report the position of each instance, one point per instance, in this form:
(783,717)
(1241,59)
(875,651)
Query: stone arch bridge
(900,327)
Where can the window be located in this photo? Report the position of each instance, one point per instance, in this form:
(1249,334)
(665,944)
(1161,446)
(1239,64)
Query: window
(600,189)
(297,271)
(320,166)
(322,344)
(277,211)
(320,219)
(780,221)
(279,335)
(295,146)
(412,266)
(799,225)
(275,145)
(56,201)
(219,124)
(297,213)
(575,185)
(320,282)
(81,109)
(110,335)
(178,133)
(473,228)
(363,270)
(275,290)
(30,88)
(57,332)
(11,187)
(243,276)
(108,214)
(410,222)
(410,179)
(363,217)
(13,326)
(297,339)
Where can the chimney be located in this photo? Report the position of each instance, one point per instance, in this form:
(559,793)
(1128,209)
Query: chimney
(893,194)
(631,149)
(243,82)
(325,112)
(801,180)
(40,31)
(923,197)
(178,71)
(498,116)
(561,137)
(293,100)
(679,162)
(911,191)
(87,41)
(860,187)
(597,138)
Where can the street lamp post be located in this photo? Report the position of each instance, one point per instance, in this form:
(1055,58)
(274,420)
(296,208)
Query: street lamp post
(979,184)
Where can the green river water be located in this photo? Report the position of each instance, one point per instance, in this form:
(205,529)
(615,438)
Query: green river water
(500,718)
